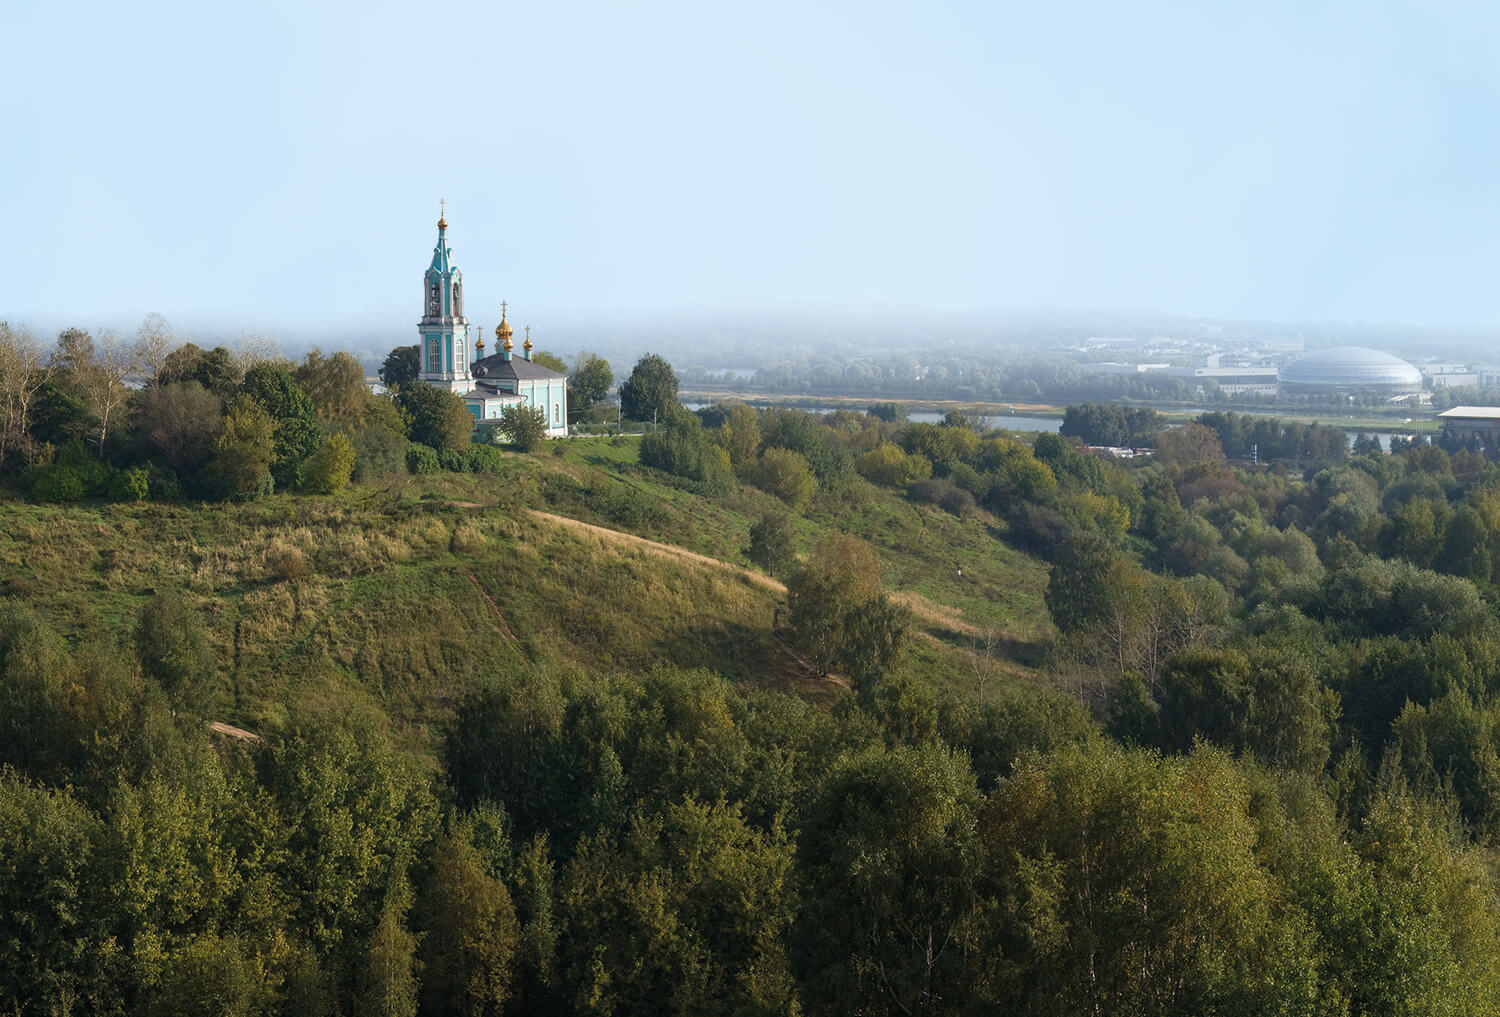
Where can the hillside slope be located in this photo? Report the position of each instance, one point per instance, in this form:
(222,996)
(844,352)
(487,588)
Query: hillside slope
(403,595)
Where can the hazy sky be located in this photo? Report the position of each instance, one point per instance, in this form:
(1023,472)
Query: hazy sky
(282,161)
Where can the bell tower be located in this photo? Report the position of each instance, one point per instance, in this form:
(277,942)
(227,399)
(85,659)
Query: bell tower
(443,345)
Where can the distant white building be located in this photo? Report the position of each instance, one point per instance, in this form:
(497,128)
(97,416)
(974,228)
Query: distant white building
(1125,368)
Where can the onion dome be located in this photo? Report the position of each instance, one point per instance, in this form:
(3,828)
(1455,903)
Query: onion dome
(503,330)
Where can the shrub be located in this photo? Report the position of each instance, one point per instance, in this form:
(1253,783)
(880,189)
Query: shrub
(162,483)
(485,459)
(327,470)
(378,452)
(786,475)
(58,483)
(525,427)
(130,485)
(285,562)
(956,501)
(421,459)
(72,476)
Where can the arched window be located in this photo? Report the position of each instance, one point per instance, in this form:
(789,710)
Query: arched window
(557,413)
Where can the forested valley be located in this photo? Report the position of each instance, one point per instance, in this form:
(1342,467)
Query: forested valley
(310,703)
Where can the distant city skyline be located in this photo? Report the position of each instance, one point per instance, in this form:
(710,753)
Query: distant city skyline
(278,167)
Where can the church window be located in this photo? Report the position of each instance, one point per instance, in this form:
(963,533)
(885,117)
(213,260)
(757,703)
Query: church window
(557,413)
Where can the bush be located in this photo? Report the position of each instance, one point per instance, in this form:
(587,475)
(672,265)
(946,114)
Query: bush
(162,483)
(681,447)
(378,451)
(58,483)
(421,459)
(72,476)
(485,459)
(956,501)
(786,475)
(130,485)
(525,427)
(885,464)
(327,470)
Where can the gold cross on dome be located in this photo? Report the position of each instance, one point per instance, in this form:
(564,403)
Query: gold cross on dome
(502,310)
(442,208)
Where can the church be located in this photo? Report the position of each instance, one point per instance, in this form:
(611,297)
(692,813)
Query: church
(487,384)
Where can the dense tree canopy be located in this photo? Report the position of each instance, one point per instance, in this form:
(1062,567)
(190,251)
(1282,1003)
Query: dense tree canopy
(651,389)
(401,366)
(589,383)
(439,418)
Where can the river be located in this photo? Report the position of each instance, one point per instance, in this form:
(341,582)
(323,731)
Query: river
(1012,422)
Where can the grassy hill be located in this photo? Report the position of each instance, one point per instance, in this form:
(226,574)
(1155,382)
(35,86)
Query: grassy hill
(402,594)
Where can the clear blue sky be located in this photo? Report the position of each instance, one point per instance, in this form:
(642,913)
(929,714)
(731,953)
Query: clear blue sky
(274,162)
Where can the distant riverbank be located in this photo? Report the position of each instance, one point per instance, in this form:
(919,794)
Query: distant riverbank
(1048,416)
(862,403)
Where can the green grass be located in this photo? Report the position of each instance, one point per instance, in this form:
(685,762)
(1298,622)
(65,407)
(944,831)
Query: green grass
(405,593)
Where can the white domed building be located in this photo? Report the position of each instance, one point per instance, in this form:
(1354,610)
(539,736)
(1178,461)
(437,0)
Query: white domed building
(1350,370)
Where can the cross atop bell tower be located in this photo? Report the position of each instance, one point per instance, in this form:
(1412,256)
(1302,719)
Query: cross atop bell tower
(442,349)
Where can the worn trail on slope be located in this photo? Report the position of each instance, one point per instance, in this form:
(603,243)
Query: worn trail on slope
(936,615)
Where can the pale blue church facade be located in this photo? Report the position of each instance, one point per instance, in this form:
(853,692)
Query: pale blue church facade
(446,357)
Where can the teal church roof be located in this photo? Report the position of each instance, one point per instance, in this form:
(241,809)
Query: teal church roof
(442,254)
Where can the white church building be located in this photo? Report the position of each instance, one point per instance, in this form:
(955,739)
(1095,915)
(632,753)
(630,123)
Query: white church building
(487,384)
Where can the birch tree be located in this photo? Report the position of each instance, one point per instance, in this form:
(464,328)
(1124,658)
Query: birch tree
(21,377)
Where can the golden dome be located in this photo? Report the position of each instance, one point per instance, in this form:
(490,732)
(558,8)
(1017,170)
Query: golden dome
(442,214)
(527,344)
(502,330)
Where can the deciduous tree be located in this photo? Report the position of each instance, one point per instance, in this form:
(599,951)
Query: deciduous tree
(296,434)
(329,468)
(400,367)
(154,342)
(589,383)
(650,390)
(95,373)
(839,614)
(439,418)
(525,427)
(471,933)
(21,379)
(773,543)
(551,361)
(890,914)
(241,467)
(336,386)
(180,422)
